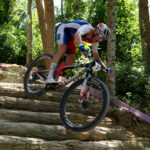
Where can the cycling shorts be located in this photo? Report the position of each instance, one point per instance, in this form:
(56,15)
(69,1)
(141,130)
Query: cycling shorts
(66,39)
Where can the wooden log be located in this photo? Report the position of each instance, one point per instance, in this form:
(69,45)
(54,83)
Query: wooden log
(44,118)
(26,104)
(56,132)
(23,143)
(45,106)
(19,92)
(29,116)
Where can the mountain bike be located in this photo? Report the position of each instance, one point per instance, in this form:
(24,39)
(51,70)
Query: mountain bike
(84,103)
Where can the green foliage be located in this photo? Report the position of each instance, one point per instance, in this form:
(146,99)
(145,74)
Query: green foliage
(5,10)
(74,10)
(128,47)
(19,14)
(98,13)
(12,44)
(133,85)
(12,35)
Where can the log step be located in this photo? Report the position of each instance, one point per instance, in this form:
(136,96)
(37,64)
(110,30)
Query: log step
(26,143)
(19,92)
(59,133)
(41,106)
(29,116)
(43,117)
(27,104)
(21,86)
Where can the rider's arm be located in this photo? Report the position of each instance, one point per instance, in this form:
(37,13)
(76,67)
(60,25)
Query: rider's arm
(97,57)
(84,29)
(78,38)
(96,54)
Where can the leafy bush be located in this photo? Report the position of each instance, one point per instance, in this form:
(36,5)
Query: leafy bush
(133,85)
(12,45)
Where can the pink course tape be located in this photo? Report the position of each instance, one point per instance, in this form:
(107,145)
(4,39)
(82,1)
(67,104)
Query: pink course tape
(134,111)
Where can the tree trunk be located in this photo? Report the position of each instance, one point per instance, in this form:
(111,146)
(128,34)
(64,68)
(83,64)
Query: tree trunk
(145,29)
(29,34)
(49,15)
(111,46)
(42,23)
(46,21)
(62,12)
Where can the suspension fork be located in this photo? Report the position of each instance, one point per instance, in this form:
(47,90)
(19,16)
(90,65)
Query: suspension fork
(83,89)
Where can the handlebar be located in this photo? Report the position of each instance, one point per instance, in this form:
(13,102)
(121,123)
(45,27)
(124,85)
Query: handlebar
(104,69)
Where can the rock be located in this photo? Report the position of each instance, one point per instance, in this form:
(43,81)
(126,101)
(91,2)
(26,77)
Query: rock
(12,73)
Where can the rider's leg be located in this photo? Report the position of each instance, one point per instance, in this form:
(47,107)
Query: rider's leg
(60,53)
(71,52)
(70,59)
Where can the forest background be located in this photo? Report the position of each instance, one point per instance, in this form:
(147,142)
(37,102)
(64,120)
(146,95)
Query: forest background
(132,48)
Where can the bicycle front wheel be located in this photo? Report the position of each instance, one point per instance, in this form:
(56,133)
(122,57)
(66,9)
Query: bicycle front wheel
(37,72)
(81,114)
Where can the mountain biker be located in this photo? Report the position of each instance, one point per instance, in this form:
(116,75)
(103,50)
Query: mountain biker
(69,33)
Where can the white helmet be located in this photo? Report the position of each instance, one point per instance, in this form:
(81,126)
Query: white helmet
(103,30)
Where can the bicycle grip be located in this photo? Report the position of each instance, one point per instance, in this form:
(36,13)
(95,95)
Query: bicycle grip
(83,49)
(108,70)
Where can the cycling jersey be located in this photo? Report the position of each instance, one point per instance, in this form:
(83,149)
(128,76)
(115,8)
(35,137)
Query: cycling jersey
(65,33)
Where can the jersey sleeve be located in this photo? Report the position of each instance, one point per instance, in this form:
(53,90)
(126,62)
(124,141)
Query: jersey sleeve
(84,29)
(95,46)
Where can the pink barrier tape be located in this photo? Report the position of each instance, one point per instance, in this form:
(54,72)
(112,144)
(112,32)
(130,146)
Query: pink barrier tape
(118,103)
(96,93)
(134,111)
(4,65)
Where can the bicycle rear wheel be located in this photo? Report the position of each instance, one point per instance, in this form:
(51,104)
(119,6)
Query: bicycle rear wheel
(83,114)
(37,72)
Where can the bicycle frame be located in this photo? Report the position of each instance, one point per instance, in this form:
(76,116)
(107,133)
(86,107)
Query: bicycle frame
(88,70)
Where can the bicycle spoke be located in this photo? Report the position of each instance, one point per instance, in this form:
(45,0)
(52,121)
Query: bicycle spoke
(36,75)
(84,112)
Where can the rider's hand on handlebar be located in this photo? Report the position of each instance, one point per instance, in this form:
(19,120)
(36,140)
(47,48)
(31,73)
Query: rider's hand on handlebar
(84,50)
(85,54)
(108,70)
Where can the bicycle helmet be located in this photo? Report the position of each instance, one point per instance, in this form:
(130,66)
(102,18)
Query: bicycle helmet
(103,30)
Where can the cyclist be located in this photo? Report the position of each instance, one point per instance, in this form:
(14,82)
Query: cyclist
(69,33)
